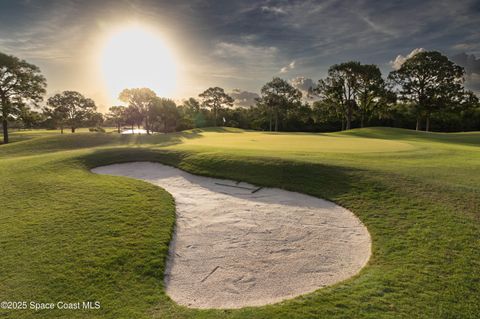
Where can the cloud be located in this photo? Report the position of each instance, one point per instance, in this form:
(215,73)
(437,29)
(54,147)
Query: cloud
(229,49)
(305,85)
(244,98)
(468,61)
(400,59)
(238,44)
(290,66)
(377,27)
(472,82)
(472,69)
(463,46)
(274,10)
(302,83)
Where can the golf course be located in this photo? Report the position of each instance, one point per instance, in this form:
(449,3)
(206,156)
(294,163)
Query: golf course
(67,234)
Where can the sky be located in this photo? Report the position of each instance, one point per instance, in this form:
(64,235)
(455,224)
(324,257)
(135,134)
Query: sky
(237,45)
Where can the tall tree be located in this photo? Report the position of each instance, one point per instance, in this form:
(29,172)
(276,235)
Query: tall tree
(57,116)
(133,117)
(278,96)
(70,108)
(192,114)
(332,104)
(29,118)
(371,91)
(117,115)
(341,88)
(327,111)
(431,82)
(164,114)
(215,99)
(94,120)
(192,105)
(140,99)
(21,84)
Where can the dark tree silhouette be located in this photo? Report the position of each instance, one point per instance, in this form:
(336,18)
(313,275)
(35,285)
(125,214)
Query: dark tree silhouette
(117,115)
(164,114)
(21,84)
(141,99)
(371,91)
(431,82)
(215,99)
(70,108)
(277,97)
(340,88)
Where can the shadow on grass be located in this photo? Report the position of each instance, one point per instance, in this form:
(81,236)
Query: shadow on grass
(158,139)
(325,181)
(220,129)
(75,141)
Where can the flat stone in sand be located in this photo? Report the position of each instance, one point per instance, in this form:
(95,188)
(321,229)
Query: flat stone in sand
(233,247)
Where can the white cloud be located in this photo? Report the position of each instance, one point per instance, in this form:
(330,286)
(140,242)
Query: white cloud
(228,49)
(377,27)
(400,59)
(274,10)
(288,67)
(463,46)
(305,85)
(243,98)
(302,83)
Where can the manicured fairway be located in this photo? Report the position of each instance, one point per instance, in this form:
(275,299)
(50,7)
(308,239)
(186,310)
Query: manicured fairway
(69,235)
(292,143)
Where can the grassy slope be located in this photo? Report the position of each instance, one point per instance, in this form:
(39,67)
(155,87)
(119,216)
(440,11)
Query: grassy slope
(69,234)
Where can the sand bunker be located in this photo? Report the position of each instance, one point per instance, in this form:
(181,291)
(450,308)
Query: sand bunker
(238,245)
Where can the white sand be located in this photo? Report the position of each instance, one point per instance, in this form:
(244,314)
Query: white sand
(232,248)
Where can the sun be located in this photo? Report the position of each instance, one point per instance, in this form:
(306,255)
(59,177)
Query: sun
(137,57)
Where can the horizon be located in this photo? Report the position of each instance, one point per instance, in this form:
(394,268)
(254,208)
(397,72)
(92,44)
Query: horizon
(181,49)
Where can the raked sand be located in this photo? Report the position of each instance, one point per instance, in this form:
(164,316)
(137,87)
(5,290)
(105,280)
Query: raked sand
(233,247)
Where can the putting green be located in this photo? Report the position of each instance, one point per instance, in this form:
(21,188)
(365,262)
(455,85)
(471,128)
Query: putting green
(291,142)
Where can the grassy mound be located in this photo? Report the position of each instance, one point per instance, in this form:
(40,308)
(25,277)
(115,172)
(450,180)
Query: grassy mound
(69,235)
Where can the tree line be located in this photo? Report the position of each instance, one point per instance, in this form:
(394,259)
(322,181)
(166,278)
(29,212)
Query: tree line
(427,87)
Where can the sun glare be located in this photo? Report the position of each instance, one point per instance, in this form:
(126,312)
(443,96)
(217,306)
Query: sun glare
(137,57)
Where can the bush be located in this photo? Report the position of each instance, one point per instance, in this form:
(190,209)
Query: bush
(97,129)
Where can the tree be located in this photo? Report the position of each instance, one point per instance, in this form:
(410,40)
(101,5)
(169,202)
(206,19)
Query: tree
(341,87)
(70,108)
(94,119)
(333,102)
(57,116)
(215,99)
(431,82)
(371,91)
(277,96)
(192,105)
(21,84)
(117,115)
(133,117)
(164,114)
(29,118)
(191,114)
(327,111)
(140,99)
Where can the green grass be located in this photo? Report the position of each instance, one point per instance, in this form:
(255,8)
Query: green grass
(69,235)
(21,135)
